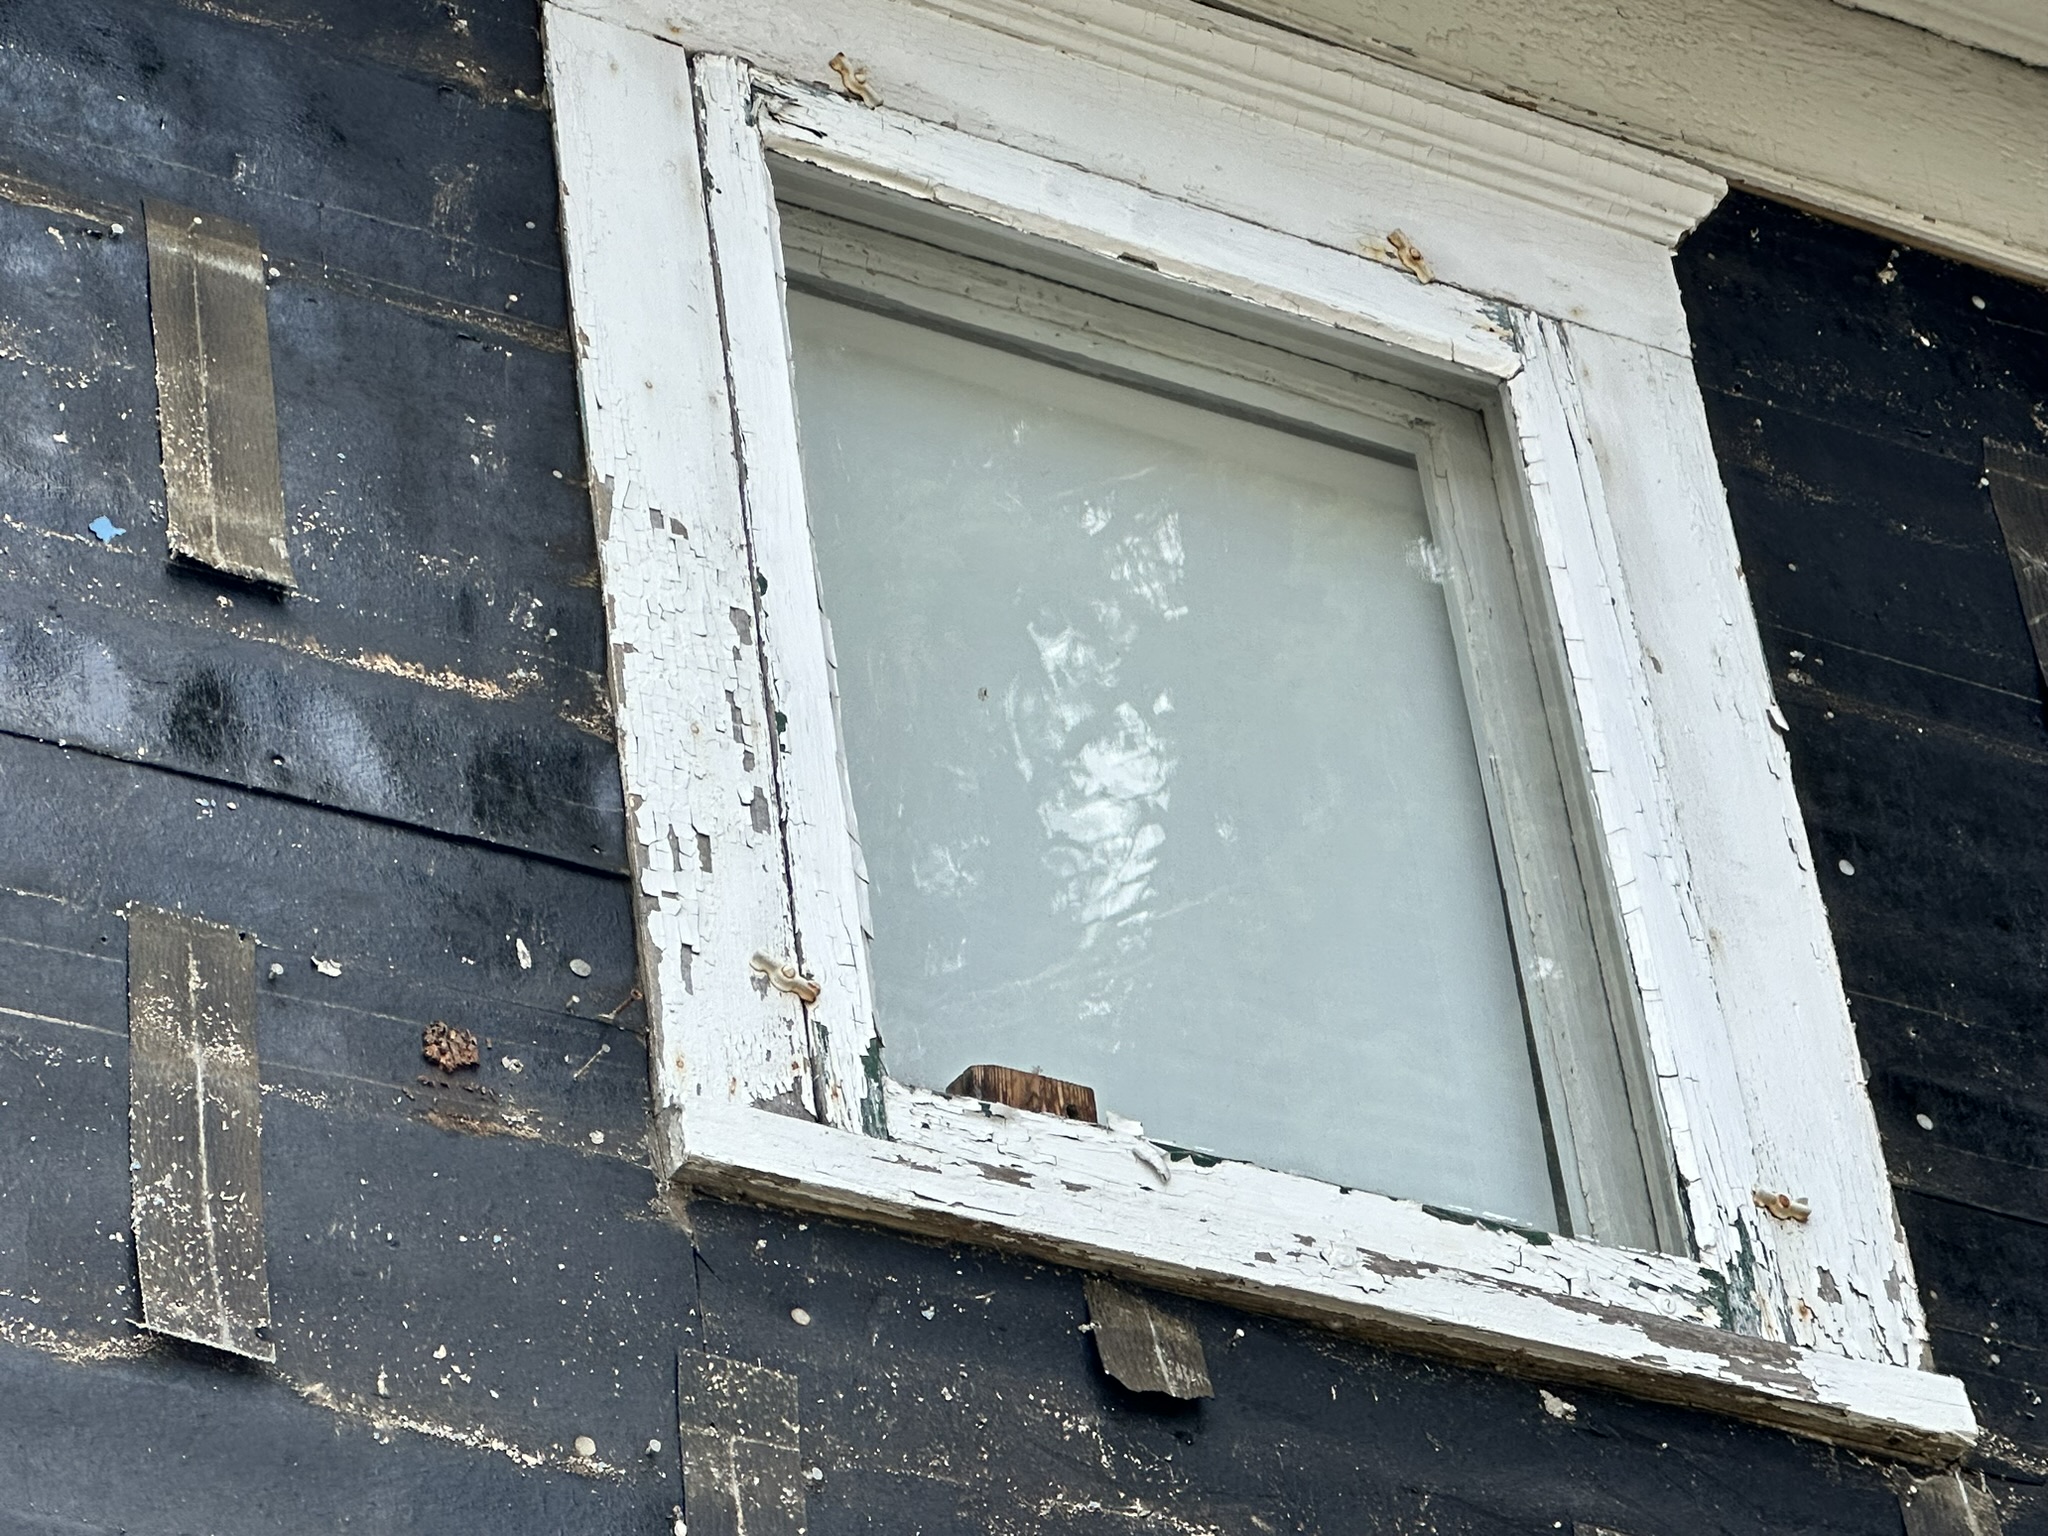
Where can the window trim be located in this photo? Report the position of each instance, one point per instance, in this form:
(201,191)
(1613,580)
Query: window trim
(1582,1014)
(684,368)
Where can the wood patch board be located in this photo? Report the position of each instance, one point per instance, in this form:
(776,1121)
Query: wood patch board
(195,1127)
(215,401)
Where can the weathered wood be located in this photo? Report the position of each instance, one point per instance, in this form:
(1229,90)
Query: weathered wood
(1645,1323)
(1107,86)
(195,1127)
(1026,1090)
(2019,494)
(1108,217)
(1950,1504)
(827,875)
(696,735)
(1145,1347)
(1721,842)
(1801,102)
(743,1472)
(216,409)
(1674,775)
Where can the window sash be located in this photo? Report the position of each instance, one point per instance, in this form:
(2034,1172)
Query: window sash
(1612,1159)
(1723,924)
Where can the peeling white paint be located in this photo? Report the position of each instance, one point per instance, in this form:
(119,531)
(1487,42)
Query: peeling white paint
(685,394)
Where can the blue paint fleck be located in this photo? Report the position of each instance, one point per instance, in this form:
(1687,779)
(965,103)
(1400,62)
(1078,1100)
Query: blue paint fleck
(104,529)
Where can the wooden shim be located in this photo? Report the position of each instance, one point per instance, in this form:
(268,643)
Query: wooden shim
(1026,1090)
(827,876)
(1950,1504)
(742,1457)
(195,1126)
(1143,1348)
(2019,495)
(215,405)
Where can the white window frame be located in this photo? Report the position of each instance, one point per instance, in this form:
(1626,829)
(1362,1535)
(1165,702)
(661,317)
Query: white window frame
(1240,162)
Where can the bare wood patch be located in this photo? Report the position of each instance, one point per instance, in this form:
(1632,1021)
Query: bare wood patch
(1143,1347)
(217,409)
(195,1124)
(742,1459)
(1951,1504)
(1026,1090)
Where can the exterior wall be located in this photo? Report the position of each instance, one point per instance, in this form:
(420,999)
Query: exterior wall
(1850,385)
(403,769)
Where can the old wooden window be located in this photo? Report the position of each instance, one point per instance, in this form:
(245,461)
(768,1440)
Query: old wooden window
(1409,369)
(1197,740)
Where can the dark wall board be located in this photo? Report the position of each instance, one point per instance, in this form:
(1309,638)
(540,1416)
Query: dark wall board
(401,913)
(442,661)
(1850,386)
(474,1258)
(331,153)
(942,1389)
(950,1390)
(172,1443)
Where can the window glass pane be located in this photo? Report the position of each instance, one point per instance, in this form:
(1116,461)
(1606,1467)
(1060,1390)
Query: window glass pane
(1163,766)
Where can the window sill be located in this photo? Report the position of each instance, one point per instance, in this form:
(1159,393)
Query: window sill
(1382,1269)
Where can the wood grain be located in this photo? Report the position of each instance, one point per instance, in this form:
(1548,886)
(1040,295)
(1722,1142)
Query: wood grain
(827,874)
(1026,1090)
(195,1128)
(216,407)
(1143,1346)
(743,1472)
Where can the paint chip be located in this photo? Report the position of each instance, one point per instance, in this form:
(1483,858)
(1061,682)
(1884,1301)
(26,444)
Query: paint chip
(104,530)
(1557,1407)
(327,967)
(525,954)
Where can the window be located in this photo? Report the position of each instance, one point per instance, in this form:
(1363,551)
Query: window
(1153,648)
(1152,293)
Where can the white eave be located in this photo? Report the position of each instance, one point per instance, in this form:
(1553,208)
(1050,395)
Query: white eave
(2015,28)
(1915,118)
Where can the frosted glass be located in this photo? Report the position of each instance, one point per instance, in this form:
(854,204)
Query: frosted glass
(1163,766)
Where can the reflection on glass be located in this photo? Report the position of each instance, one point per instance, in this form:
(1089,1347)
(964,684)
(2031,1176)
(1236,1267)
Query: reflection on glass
(1163,766)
